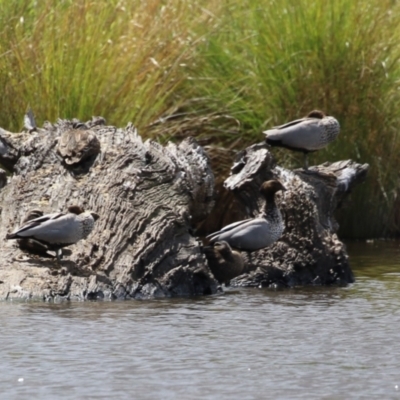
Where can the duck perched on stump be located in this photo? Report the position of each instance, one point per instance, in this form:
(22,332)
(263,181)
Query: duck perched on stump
(308,134)
(225,263)
(58,230)
(255,233)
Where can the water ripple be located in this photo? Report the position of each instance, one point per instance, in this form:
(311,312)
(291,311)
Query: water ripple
(331,343)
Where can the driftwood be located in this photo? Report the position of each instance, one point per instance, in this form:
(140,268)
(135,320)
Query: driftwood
(309,252)
(150,198)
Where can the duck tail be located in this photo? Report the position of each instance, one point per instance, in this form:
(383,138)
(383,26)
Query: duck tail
(11,236)
(273,141)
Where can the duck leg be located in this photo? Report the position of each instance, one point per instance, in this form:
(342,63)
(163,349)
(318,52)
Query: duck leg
(59,255)
(305,160)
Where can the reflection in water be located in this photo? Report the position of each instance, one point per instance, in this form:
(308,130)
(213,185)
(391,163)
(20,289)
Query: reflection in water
(375,259)
(333,343)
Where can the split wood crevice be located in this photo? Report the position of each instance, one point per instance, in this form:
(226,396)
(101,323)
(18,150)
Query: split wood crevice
(150,199)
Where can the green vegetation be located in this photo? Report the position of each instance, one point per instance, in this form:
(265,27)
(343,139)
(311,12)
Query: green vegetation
(223,73)
(75,58)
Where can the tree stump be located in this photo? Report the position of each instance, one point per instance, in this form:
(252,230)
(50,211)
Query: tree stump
(148,198)
(309,252)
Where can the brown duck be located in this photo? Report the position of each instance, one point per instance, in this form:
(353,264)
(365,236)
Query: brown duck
(225,263)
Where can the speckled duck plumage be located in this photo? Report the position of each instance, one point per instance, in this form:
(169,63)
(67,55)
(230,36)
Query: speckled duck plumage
(308,134)
(59,229)
(225,263)
(255,233)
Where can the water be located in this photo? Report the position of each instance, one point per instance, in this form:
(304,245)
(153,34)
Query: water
(313,343)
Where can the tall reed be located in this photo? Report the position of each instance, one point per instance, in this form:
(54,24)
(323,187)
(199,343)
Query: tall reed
(75,58)
(223,71)
(271,61)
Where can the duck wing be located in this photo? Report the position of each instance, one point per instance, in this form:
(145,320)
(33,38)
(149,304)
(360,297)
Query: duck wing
(304,134)
(52,228)
(228,228)
(291,123)
(252,234)
(37,222)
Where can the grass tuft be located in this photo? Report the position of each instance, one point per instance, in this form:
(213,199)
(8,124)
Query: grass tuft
(272,61)
(222,72)
(120,59)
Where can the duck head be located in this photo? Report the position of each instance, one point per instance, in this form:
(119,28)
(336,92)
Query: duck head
(94,215)
(223,247)
(269,188)
(316,114)
(75,209)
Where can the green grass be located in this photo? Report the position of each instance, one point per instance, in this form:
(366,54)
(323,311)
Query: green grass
(123,60)
(273,61)
(220,72)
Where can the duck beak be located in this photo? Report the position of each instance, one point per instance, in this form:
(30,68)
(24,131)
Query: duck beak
(95,215)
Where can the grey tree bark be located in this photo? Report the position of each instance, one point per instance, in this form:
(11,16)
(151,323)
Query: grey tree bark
(148,197)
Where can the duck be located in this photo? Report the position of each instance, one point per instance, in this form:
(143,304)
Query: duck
(224,263)
(308,134)
(255,233)
(58,230)
(29,121)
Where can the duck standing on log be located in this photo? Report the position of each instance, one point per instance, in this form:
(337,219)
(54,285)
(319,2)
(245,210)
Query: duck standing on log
(225,263)
(255,233)
(308,134)
(58,230)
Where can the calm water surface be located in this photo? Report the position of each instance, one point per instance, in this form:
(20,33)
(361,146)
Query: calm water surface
(315,343)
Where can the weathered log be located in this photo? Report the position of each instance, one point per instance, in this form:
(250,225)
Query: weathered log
(148,197)
(309,252)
